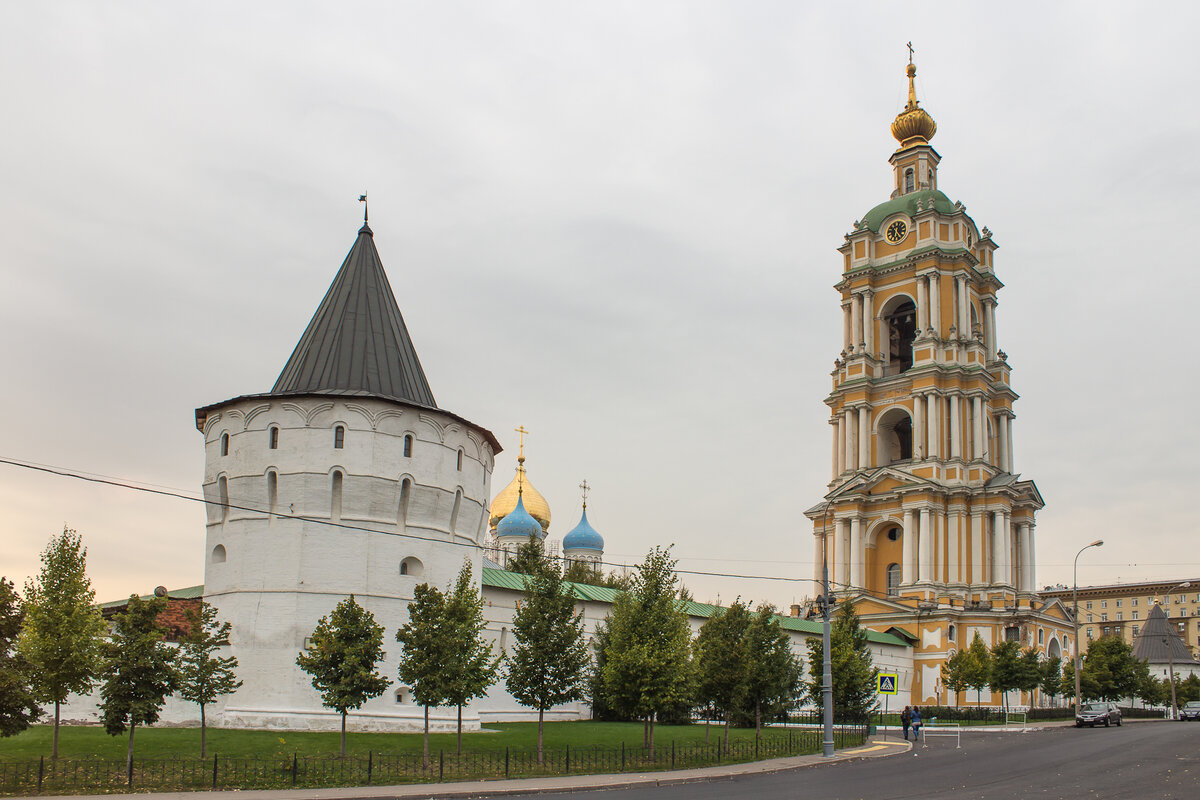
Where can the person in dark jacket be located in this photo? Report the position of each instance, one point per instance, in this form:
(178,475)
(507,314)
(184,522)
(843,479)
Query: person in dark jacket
(916,723)
(906,720)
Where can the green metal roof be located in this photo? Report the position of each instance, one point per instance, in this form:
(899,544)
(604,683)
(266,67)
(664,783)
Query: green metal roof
(190,593)
(503,579)
(907,203)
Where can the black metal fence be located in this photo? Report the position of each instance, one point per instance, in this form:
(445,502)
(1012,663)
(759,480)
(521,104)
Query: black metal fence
(69,776)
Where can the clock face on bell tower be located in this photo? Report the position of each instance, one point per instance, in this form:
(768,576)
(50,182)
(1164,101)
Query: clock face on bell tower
(897,231)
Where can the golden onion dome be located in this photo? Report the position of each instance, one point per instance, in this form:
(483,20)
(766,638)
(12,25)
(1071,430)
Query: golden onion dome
(913,124)
(504,503)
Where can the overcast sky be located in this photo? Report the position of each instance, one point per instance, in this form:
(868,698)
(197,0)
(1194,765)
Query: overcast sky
(613,223)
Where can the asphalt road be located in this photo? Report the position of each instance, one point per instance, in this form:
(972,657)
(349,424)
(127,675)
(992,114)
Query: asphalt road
(1150,760)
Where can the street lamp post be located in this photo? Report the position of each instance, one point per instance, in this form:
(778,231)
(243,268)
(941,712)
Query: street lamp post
(1171,656)
(1075,598)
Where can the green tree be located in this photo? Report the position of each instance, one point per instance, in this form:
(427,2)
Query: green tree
(425,652)
(1189,689)
(549,663)
(721,661)
(954,676)
(1006,669)
(529,558)
(18,707)
(1029,672)
(203,675)
(854,674)
(1154,692)
(583,572)
(471,667)
(139,670)
(773,673)
(1109,670)
(648,668)
(1051,681)
(977,667)
(61,634)
(601,710)
(343,656)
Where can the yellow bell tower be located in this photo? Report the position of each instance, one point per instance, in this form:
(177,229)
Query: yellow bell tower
(926,524)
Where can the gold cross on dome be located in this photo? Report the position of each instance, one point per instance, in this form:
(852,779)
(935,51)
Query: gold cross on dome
(521,430)
(910,52)
(584,486)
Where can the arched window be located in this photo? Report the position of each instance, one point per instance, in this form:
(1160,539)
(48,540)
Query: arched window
(218,554)
(460,459)
(895,437)
(273,437)
(950,632)
(223,496)
(893,579)
(402,509)
(335,505)
(412,567)
(1041,636)
(408,443)
(454,511)
(909,180)
(339,437)
(400,695)
(272,491)
(902,331)
(930,176)
(224,444)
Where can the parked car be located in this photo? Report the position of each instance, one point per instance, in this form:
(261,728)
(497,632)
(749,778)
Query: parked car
(1190,710)
(1093,714)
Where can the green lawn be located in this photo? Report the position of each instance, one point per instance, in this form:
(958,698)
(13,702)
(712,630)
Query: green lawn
(93,742)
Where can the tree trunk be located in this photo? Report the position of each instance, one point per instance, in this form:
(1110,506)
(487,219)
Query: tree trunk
(757,718)
(728,717)
(706,721)
(645,732)
(203,732)
(651,733)
(541,712)
(343,734)
(425,755)
(460,729)
(54,749)
(129,752)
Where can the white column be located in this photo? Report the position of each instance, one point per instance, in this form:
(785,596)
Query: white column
(977,418)
(964,306)
(858,552)
(842,553)
(955,428)
(908,567)
(977,559)
(935,303)
(1002,445)
(848,428)
(856,321)
(918,427)
(1008,550)
(954,537)
(835,426)
(864,437)
(868,322)
(1023,557)
(925,558)
(818,554)
(932,423)
(846,327)
(922,307)
(989,315)
(938,563)
(1031,543)
(1008,446)
(997,547)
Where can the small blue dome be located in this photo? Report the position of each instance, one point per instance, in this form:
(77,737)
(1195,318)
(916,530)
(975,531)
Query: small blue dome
(520,524)
(583,537)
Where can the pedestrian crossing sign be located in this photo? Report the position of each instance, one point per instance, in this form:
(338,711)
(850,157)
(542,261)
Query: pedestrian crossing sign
(887,683)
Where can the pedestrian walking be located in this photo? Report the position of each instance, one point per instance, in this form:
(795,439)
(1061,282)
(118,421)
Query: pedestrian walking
(916,723)
(906,720)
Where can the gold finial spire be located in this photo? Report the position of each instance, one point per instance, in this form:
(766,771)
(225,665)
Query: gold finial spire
(913,123)
(521,455)
(584,486)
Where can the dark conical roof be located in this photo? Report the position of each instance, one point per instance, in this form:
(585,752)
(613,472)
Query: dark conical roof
(357,343)
(1158,636)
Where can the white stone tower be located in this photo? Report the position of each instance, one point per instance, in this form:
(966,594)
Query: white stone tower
(345,478)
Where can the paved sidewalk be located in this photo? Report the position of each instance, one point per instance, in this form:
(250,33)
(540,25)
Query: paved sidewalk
(567,783)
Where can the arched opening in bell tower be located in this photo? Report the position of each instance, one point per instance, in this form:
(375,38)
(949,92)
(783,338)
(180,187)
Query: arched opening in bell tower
(895,437)
(900,315)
